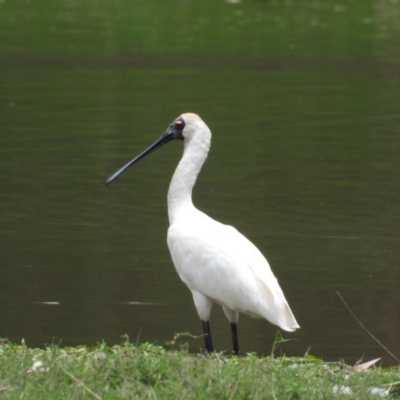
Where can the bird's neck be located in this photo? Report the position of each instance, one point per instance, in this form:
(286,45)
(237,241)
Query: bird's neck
(180,190)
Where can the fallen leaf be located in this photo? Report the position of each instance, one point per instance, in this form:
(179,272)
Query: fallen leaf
(364,366)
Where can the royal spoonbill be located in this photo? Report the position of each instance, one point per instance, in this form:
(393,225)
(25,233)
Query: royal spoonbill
(217,263)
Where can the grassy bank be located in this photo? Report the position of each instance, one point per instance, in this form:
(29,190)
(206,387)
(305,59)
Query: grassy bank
(128,371)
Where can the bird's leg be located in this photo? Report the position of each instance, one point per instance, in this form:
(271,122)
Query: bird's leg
(235,340)
(207,336)
(233,317)
(203,306)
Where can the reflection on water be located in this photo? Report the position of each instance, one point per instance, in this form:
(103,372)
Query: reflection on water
(304,162)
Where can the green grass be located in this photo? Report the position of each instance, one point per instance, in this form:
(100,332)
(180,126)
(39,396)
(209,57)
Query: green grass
(145,371)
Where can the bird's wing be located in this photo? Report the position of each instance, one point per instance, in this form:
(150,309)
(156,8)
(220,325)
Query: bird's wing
(218,261)
(269,295)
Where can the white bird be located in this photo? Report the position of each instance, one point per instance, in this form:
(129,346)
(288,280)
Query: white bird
(216,262)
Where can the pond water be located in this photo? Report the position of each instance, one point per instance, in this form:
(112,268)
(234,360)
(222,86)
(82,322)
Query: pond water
(304,161)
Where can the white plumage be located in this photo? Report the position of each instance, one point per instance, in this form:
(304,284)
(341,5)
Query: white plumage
(216,262)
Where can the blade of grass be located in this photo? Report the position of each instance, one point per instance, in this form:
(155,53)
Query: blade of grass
(366,330)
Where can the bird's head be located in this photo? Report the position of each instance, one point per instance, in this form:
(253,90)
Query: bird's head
(188,127)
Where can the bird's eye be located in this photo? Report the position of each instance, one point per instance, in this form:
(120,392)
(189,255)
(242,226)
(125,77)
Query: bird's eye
(179,124)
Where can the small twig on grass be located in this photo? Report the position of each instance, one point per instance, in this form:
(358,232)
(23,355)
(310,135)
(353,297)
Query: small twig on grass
(366,330)
(233,391)
(183,334)
(391,384)
(307,352)
(137,337)
(74,351)
(80,383)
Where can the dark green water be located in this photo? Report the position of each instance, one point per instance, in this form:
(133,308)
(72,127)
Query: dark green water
(303,101)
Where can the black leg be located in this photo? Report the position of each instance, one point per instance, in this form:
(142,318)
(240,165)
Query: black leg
(207,336)
(235,340)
